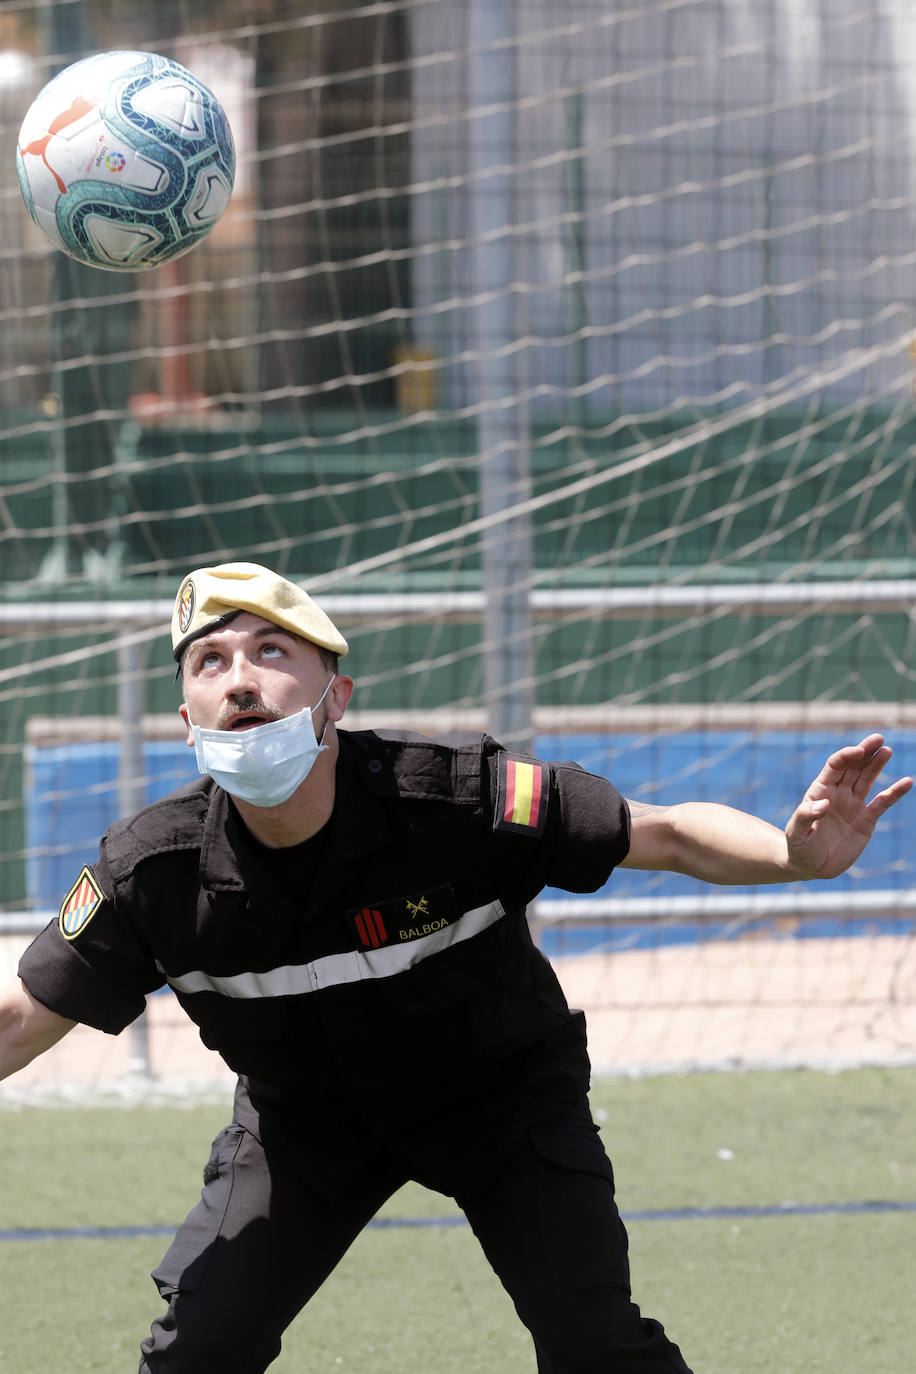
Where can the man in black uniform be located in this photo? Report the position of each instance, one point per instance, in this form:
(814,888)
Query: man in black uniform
(343,916)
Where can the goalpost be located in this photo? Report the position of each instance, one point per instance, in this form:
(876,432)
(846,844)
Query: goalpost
(565,353)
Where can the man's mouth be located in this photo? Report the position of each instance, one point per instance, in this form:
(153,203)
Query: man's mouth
(246,714)
(248,719)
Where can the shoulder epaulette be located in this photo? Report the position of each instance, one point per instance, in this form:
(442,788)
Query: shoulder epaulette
(410,766)
(169,825)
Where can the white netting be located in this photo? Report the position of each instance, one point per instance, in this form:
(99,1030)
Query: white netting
(565,353)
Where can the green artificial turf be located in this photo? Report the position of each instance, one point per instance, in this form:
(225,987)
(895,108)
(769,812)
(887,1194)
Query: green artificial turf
(784,1293)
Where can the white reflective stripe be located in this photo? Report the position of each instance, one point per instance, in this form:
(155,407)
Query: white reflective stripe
(290,980)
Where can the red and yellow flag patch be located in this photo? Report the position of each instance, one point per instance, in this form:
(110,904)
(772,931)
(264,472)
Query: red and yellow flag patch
(522,795)
(80,905)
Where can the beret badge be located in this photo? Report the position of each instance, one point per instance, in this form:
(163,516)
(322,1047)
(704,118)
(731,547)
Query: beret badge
(186,606)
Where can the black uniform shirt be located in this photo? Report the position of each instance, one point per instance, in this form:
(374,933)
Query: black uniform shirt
(384,971)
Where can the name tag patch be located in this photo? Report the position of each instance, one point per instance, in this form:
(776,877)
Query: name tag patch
(522,796)
(404,918)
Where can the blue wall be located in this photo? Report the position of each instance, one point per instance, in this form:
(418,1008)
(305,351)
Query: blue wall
(72,796)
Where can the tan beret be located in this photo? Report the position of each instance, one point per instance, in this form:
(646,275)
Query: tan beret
(210,597)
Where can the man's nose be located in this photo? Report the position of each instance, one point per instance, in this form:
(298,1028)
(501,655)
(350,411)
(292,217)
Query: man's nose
(242,680)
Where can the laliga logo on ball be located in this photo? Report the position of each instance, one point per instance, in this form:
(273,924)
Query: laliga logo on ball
(125,160)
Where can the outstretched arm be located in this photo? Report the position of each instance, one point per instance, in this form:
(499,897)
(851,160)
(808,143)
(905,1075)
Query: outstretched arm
(27,1028)
(825,834)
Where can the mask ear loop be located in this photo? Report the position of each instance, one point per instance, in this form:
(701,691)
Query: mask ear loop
(327,720)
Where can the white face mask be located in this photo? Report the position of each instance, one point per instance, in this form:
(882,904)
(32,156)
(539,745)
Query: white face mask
(264,764)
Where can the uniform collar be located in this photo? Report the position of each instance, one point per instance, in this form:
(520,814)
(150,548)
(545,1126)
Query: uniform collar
(357,826)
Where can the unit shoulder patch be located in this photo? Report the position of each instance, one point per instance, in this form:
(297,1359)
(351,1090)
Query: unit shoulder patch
(80,905)
(522,796)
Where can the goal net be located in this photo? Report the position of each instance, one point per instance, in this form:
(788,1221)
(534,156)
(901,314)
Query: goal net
(565,353)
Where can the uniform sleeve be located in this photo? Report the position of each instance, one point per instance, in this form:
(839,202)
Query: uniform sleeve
(593,829)
(580,820)
(89,964)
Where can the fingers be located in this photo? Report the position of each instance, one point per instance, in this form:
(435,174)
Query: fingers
(889,797)
(852,755)
(872,768)
(854,769)
(857,765)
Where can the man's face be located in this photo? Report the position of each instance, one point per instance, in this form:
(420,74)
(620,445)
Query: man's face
(252,671)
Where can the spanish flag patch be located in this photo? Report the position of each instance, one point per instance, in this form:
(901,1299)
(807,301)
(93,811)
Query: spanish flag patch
(522,795)
(80,905)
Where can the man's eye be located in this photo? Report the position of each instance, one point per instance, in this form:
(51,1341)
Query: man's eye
(271,650)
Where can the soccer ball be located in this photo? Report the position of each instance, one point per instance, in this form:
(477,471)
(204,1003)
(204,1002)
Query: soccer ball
(125,160)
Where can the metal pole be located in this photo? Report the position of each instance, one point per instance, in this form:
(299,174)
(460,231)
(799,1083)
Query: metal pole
(502,415)
(575,199)
(131,796)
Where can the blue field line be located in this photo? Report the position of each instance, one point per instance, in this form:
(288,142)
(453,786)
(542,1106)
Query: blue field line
(783,1209)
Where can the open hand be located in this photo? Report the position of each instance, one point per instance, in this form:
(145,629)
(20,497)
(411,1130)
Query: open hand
(835,819)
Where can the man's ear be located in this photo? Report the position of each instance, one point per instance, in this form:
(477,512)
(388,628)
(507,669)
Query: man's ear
(183,712)
(339,696)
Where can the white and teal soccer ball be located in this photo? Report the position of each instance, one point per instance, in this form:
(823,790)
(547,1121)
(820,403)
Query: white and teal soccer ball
(125,160)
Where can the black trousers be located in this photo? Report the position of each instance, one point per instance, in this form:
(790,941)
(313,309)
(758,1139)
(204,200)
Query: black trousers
(261,1241)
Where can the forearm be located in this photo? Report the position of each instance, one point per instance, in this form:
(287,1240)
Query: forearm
(823,837)
(27,1028)
(705,840)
